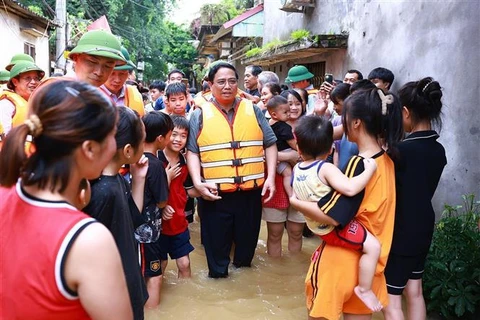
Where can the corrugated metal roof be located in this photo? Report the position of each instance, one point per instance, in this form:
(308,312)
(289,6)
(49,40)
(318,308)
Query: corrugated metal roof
(228,26)
(21,10)
(243,16)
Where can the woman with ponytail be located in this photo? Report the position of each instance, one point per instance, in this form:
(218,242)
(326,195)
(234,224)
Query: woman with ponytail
(371,119)
(418,168)
(56,262)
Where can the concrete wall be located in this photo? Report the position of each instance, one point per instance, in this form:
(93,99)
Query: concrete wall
(12,40)
(414,39)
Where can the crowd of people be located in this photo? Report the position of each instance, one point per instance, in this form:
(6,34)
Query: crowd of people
(99,182)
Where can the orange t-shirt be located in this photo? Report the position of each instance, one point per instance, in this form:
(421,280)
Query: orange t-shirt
(334,270)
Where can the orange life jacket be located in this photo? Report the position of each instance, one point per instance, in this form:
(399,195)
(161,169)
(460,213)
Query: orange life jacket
(231,155)
(133,99)
(21,108)
(19,116)
(201,98)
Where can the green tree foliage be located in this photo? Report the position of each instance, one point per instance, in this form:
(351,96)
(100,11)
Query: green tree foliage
(140,24)
(178,50)
(219,13)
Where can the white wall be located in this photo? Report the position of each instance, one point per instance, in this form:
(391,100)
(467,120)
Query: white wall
(414,39)
(12,41)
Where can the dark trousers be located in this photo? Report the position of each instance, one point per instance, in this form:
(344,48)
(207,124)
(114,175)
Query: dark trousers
(235,219)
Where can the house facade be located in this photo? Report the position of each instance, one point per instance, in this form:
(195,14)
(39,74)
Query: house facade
(23,31)
(413,39)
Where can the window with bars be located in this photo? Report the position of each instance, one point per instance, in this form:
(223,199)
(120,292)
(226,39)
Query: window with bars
(29,49)
(318,70)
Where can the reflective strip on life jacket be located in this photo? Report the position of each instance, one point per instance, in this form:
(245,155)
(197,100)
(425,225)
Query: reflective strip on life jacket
(233,162)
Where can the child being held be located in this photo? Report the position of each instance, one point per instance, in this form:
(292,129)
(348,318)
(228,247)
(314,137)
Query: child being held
(279,111)
(314,178)
(175,237)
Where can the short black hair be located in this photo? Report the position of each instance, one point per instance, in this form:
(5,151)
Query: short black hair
(213,70)
(359,74)
(175,88)
(176,71)
(382,74)
(256,70)
(156,124)
(363,84)
(340,92)
(157,84)
(180,122)
(275,102)
(314,135)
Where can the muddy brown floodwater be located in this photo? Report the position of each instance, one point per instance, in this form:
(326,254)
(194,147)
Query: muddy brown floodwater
(273,288)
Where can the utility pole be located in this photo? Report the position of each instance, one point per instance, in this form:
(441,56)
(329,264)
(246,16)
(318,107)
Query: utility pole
(61,19)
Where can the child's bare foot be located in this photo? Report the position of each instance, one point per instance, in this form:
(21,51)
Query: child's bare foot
(368,298)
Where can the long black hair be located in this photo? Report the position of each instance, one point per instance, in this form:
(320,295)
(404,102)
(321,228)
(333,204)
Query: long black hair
(423,99)
(382,119)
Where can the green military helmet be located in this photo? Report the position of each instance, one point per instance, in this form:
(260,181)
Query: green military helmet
(17,58)
(298,73)
(99,43)
(4,76)
(25,66)
(130,65)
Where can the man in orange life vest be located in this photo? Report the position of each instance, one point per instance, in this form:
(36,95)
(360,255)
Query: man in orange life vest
(24,78)
(121,93)
(228,140)
(96,54)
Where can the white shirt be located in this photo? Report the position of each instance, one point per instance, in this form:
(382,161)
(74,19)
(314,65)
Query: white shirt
(7,111)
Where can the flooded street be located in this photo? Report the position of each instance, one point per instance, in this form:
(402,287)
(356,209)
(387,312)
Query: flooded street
(271,289)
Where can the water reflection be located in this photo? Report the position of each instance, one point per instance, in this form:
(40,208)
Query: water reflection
(271,289)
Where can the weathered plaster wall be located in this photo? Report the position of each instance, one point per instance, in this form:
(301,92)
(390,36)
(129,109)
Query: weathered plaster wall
(414,39)
(13,40)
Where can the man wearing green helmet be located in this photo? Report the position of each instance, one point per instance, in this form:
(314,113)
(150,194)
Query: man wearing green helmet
(300,78)
(121,93)
(25,76)
(96,54)
(21,57)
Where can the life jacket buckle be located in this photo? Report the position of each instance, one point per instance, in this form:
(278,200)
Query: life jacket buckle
(237,180)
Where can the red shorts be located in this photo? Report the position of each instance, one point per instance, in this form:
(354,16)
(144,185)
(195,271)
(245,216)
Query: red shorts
(351,237)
